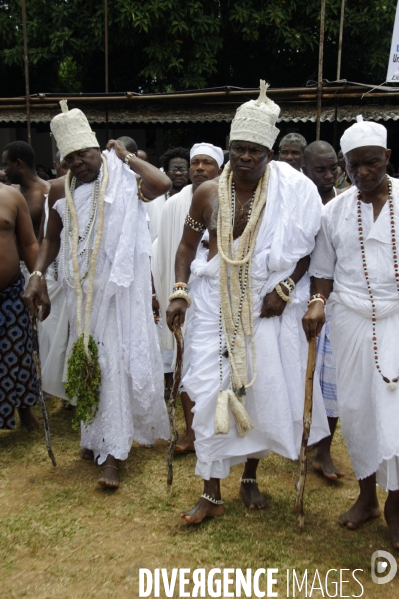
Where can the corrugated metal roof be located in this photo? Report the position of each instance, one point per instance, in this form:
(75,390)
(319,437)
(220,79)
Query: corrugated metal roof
(215,112)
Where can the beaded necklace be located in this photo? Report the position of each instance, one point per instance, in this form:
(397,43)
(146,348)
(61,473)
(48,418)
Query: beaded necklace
(231,313)
(88,235)
(392,383)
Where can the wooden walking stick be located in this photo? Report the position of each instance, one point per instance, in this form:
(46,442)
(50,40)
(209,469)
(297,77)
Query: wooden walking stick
(172,399)
(307,421)
(36,360)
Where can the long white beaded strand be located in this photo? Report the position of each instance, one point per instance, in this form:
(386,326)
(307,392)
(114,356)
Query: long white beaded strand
(392,383)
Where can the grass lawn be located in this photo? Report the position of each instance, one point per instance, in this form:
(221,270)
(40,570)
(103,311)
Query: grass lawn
(62,537)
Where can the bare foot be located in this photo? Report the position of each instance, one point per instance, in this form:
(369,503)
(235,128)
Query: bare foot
(28,421)
(253,499)
(203,509)
(323,463)
(359,513)
(86,454)
(185,444)
(391,513)
(110,476)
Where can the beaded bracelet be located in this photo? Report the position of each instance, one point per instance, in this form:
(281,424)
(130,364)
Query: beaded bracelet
(36,272)
(317,296)
(181,294)
(288,282)
(178,286)
(316,299)
(140,193)
(280,293)
(193,224)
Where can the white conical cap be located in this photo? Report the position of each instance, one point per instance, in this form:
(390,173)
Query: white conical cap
(72,131)
(255,120)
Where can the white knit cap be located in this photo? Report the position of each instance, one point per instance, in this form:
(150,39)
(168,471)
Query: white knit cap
(363,133)
(72,131)
(255,120)
(208,149)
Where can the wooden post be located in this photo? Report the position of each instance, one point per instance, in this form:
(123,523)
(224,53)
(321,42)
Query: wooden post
(26,63)
(106,64)
(341,32)
(320,75)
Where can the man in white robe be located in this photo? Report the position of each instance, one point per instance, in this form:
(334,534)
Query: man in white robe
(131,406)
(288,224)
(354,265)
(320,164)
(205,164)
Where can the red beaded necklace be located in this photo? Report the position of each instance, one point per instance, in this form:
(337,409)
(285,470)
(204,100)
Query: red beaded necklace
(392,384)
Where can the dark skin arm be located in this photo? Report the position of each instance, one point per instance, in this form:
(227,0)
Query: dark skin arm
(186,253)
(273,305)
(25,235)
(155,182)
(36,295)
(315,317)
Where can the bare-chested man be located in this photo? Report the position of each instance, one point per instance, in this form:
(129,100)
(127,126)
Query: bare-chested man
(244,338)
(321,166)
(19,166)
(17,371)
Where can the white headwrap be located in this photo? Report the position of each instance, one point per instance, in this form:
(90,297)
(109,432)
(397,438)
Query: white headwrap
(363,133)
(255,120)
(208,149)
(72,131)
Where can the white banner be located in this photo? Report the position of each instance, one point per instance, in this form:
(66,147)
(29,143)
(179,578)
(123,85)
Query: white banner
(393,65)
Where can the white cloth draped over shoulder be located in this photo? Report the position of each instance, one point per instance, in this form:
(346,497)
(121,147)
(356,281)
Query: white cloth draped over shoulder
(369,411)
(53,332)
(290,222)
(164,253)
(154,212)
(131,395)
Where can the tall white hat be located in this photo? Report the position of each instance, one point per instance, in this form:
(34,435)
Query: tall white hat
(72,131)
(210,150)
(255,120)
(363,133)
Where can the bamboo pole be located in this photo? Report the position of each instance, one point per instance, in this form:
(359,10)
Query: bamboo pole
(26,64)
(320,74)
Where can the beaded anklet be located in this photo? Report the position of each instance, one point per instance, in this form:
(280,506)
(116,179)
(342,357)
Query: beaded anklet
(248,480)
(212,500)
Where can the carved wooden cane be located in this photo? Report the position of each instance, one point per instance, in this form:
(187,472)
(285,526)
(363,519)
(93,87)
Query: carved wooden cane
(307,421)
(172,399)
(36,360)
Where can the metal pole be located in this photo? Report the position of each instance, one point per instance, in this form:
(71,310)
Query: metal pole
(106,63)
(320,76)
(341,32)
(26,62)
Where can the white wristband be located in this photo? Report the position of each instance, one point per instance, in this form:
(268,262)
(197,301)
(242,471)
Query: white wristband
(36,272)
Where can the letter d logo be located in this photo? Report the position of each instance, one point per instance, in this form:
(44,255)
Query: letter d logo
(382,566)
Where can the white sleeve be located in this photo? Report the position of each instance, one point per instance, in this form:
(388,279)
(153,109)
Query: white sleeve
(322,263)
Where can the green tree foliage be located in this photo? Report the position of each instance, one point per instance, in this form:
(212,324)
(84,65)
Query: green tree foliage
(158,45)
